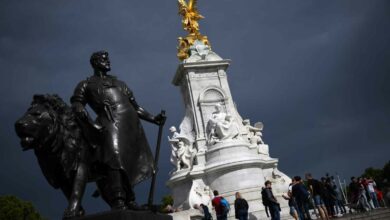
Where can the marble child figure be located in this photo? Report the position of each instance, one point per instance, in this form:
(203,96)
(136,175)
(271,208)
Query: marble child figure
(183,151)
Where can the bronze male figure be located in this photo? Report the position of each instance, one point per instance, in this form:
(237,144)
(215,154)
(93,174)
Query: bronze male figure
(123,154)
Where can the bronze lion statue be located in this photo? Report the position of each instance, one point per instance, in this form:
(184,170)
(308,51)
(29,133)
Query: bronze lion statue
(66,157)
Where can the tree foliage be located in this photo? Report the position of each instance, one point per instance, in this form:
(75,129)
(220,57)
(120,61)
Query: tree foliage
(12,208)
(386,172)
(167,200)
(376,174)
(381,176)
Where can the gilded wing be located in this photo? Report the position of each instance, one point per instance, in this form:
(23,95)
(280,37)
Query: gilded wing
(182,4)
(182,7)
(191,4)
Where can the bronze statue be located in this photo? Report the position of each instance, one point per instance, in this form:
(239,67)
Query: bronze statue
(50,128)
(124,154)
(72,149)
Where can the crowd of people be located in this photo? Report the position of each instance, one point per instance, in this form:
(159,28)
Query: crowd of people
(327,199)
(365,195)
(321,195)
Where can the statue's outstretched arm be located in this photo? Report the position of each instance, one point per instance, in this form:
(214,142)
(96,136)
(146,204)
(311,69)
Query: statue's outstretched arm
(251,128)
(142,113)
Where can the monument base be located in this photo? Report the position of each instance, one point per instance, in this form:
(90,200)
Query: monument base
(126,215)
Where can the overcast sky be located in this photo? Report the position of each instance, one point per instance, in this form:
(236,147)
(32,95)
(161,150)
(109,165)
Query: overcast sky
(316,73)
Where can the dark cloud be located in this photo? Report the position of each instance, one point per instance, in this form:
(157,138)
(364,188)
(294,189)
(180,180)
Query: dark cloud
(315,72)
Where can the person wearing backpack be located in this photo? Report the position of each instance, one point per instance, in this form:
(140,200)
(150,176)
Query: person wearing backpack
(220,205)
(225,206)
(270,202)
(241,207)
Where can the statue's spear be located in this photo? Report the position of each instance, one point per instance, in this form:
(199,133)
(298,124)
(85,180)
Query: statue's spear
(156,157)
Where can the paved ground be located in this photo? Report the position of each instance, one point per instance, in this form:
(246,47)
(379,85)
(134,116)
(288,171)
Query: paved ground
(378,214)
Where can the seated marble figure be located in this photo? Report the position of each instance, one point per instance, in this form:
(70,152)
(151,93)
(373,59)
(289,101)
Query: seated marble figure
(221,126)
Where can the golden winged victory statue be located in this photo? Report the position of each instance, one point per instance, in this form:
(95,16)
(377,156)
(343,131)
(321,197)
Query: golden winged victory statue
(190,19)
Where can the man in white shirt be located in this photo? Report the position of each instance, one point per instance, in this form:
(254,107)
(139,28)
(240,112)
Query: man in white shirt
(371,190)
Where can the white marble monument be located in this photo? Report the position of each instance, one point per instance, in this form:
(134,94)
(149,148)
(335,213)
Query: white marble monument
(215,149)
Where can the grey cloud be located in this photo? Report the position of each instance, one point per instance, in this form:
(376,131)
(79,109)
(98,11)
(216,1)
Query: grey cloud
(315,72)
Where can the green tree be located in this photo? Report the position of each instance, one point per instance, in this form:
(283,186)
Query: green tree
(381,176)
(386,173)
(12,208)
(376,174)
(167,200)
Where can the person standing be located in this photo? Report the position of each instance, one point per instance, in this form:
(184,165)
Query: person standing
(241,207)
(340,205)
(219,208)
(301,195)
(363,195)
(379,196)
(291,203)
(317,189)
(329,197)
(371,190)
(354,190)
(205,210)
(270,201)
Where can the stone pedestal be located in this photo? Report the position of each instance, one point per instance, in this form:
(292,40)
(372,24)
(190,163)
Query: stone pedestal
(215,148)
(126,215)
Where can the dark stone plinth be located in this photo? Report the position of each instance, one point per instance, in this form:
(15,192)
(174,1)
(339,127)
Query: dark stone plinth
(126,215)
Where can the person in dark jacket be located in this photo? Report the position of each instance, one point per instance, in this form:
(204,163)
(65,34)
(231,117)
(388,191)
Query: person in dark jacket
(241,207)
(316,189)
(291,203)
(272,203)
(301,195)
(329,196)
(206,212)
(354,190)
